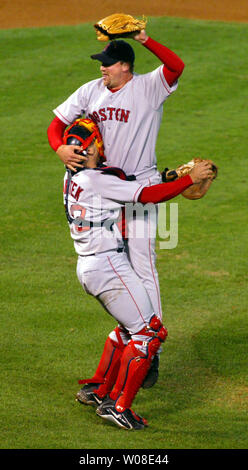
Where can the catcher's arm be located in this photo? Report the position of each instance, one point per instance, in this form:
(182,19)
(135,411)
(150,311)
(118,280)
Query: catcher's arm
(163,192)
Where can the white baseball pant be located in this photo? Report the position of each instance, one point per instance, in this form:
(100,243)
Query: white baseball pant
(109,277)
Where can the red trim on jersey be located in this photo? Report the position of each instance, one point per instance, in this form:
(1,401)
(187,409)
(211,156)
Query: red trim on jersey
(55,133)
(173,65)
(63,117)
(134,198)
(164,191)
(126,288)
(162,80)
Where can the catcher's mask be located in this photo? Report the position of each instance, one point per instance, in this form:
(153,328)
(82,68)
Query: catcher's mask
(83,132)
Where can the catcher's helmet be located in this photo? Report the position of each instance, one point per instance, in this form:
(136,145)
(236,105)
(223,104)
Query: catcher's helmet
(77,136)
(83,132)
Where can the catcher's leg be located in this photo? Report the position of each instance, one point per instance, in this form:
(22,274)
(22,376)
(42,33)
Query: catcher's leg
(135,363)
(106,373)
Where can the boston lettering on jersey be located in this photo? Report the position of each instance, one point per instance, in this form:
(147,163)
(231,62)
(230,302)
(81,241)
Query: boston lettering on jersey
(110,114)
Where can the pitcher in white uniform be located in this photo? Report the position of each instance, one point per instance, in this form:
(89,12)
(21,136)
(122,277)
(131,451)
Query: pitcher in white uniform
(127,108)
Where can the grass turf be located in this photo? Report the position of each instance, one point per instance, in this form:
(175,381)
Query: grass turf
(51,333)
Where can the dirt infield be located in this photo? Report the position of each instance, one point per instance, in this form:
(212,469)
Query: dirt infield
(33,13)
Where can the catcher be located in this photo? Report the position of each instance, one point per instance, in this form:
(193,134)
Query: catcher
(93,198)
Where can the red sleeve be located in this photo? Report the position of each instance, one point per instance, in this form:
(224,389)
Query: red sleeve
(164,191)
(55,133)
(173,65)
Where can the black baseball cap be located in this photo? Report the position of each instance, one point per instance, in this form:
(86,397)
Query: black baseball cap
(114,52)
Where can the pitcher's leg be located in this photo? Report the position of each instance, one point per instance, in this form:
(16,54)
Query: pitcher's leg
(141,231)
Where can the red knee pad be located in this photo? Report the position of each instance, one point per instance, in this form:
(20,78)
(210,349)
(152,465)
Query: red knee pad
(156,325)
(155,329)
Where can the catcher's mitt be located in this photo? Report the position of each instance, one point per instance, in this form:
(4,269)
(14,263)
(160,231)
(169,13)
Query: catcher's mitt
(118,25)
(197,190)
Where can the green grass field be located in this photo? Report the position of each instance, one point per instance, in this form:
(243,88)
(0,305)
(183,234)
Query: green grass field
(52,333)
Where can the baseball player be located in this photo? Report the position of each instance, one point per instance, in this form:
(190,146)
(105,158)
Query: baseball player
(93,198)
(127,108)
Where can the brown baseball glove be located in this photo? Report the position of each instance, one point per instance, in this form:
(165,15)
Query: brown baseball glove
(197,190)
(118,25)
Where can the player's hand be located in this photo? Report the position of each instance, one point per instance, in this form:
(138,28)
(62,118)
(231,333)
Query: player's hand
(200,172)
(141,36)
(68,154)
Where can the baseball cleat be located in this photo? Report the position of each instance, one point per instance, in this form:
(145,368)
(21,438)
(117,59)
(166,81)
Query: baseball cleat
(88,396)
(126,419)
(152,375)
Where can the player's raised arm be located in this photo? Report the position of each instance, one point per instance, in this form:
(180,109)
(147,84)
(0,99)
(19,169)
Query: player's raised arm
(173,65)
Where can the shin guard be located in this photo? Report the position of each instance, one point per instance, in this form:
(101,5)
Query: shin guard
(108,367)
(135,364)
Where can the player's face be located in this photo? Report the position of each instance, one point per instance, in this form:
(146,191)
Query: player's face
(115,75)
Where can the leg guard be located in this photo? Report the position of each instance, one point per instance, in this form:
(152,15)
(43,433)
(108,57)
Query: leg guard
(108,367)
(135,363)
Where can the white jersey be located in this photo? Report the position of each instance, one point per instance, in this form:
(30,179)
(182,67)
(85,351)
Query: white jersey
(128,119)
(97,198)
